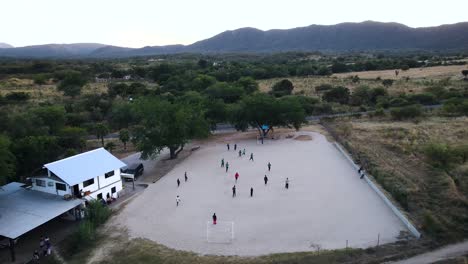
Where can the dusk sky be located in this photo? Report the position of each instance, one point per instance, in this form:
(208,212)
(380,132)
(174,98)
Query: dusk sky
(139,23)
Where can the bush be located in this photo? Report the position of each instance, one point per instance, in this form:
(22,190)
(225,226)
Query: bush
(17,96)
(282,88)
(440,155)
(424,99)
(455,106)
(338,94)
(431,225)
(406,112)
(323,87)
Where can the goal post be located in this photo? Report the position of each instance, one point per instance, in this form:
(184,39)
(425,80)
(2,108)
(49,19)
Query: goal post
(221,233)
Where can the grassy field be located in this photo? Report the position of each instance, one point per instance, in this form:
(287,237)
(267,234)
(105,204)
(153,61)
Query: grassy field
(436,72)
(44,92)
(436,199)
(419,80)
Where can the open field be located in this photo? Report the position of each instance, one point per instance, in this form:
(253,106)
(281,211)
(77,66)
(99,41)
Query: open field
(436,72)
(436,199)
(420,79)
(325,205)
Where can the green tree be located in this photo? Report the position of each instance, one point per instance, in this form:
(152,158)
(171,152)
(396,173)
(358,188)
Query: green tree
(465,73)
(53,117)
(124,136)
(282,88)
(101,130)
(172,127)
(110,146)
(7,161)
(227,92)
(265,112)
(72,138)
(248,84)
(34,152)
(337,94)
(72,83)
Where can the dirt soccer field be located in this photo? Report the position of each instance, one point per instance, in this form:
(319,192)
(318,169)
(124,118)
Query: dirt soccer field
(325,205)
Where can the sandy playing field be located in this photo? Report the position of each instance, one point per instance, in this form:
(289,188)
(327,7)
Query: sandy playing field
(326,203)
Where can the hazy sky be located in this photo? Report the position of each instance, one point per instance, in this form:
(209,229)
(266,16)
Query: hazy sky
(138,23)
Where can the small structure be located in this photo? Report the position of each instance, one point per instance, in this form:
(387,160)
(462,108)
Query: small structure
(58,191)
(23,209)
(94,174)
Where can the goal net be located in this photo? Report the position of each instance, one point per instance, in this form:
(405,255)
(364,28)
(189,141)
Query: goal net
(222,232)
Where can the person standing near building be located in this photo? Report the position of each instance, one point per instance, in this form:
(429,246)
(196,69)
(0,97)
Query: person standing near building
(42,246)
(235,147)
(227,166)
(269,166)
(251,191)
(234,191)
(177,200)
(243,152)
(178,182)
(214,218)
(228,147)
(287,183)
(251,157)
(222,163)
(240,153)
(185,176)
(236,176)
(265,179)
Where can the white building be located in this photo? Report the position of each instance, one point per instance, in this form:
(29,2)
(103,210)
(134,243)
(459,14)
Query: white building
(93,174)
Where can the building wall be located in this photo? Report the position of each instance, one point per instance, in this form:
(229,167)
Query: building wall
(50,186)
(104,185)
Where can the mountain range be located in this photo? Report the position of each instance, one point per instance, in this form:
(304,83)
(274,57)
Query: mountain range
(364,36)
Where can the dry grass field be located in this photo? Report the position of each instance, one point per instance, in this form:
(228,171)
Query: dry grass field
(44,92)
(436,199)
(436,72)
(419,79)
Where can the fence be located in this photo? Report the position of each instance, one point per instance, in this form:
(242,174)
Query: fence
(377,190)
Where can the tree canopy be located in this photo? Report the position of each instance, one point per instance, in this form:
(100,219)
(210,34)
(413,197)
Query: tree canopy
(164,124)
(262,109)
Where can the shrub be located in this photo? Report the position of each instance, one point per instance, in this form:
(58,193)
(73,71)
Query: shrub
(439,155)
(406,112)
(387,82)
(431,225)
(17,96)
(424,99)
(338,94)
(282,88)
(323,87)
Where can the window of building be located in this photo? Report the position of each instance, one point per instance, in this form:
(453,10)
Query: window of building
(60,186)
(50,184)
(41,183)
(99,196)
(113,190)
(109,174)
(88,182)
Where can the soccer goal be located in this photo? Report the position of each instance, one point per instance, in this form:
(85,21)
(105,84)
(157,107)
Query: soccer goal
(221,233)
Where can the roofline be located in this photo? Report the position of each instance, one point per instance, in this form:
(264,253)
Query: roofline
(50,163)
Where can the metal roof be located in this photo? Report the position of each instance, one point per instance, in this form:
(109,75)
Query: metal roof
(79,168)
(22,210)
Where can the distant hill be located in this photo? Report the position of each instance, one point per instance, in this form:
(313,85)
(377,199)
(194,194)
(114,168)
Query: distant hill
(5,46)
(365,36)
(52,50)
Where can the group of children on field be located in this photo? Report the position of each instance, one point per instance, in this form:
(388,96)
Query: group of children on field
(236,176)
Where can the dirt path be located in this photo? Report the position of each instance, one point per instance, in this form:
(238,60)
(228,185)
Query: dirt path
(447,252)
